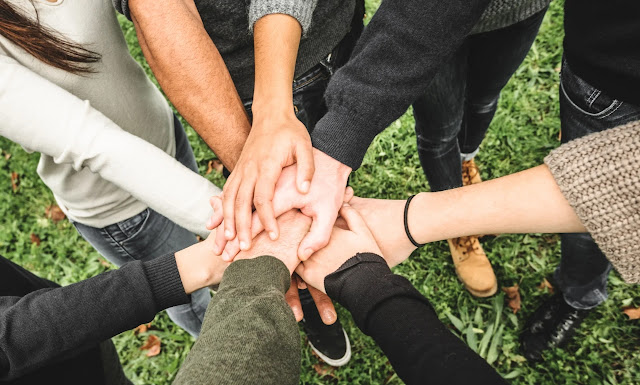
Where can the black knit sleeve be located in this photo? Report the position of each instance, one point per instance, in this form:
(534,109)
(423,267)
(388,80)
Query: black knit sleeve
(388,308)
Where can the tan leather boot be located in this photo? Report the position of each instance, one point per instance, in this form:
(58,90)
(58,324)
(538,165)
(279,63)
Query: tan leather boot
(470,173)
(473,267)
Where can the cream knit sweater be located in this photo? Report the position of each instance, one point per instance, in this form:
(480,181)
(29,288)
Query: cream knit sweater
(600,177)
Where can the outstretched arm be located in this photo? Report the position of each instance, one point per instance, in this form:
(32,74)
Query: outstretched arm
(41,322)
(249,334)
(191,72)
(71,131)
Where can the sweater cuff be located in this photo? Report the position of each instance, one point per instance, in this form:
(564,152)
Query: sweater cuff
(164,279)
(301,10)
(598,175)
(343,136)
(262,272)
(363,283)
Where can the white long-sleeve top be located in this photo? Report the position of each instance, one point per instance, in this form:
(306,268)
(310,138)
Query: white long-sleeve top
(106,139)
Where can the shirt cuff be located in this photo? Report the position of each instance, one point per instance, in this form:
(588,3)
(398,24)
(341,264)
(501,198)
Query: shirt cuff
(164,279)
(301,10)
(265,272)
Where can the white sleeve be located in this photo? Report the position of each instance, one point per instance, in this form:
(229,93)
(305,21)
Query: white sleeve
(43,117)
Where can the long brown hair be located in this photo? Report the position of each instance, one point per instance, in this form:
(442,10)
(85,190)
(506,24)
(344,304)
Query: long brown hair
(43,43)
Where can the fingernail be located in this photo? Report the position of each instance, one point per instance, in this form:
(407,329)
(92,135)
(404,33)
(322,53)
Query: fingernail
(273,235)
(305,186)
(345,204)
(228,234)
(243,245)
(329,317)
(297,313)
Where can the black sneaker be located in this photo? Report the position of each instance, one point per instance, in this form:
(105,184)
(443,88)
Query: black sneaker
(329,342)
(552,325)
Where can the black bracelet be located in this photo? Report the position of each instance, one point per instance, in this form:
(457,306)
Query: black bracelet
(406,223)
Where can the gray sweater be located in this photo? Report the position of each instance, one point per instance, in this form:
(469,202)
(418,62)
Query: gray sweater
(229,23)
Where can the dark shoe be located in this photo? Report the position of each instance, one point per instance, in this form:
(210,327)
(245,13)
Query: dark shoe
(329,342)
(552,325)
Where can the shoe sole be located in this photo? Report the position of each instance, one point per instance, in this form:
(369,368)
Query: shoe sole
(335,362)
(482,294)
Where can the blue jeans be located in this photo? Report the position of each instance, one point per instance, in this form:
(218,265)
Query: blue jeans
(455,112)
(149,235)
(584,109)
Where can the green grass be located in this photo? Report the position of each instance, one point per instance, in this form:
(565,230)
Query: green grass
(523,131)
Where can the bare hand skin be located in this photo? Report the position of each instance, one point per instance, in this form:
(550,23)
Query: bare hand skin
(294,226)
(199,266)
(322,203)
(344,244)
(277,138)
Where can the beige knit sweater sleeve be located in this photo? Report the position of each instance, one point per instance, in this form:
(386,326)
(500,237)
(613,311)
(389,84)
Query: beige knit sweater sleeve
(599,174)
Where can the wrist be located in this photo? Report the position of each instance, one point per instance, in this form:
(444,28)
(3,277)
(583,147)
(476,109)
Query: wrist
(198,267)
(272,105)
(420,231)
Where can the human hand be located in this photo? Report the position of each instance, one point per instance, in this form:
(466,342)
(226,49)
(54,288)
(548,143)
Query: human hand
(294,226)
(385,220)
(321,203)
(324,304)
(344,244)
(276,140)
(199,266)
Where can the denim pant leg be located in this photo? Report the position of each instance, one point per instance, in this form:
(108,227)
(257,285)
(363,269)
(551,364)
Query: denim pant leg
(149,235)
(583,270)
(455,112)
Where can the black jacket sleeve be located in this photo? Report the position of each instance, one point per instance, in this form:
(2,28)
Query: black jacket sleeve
(388,308)
(52,323)
(394,61)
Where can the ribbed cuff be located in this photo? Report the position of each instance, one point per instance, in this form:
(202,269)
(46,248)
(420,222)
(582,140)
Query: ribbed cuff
(264,272)
(122,6)
(501,14)
(363,283)
(343,136)
(301,10)
(164,279)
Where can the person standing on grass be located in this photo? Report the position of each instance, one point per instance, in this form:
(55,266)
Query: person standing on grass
(115,157)
(249,76)
(454,113)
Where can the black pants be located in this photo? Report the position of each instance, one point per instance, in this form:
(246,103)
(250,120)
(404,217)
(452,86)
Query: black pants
(97,365)
(455,112)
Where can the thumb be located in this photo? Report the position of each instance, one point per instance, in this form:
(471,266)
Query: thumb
(318,236)
(354,219)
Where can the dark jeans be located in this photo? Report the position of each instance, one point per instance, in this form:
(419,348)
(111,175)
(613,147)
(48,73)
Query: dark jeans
(87,365)
(584,109)
(455,112)
(309,88)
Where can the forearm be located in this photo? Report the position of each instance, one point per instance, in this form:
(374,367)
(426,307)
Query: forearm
(402,322)
(192,73)
(525,202)
(52,323)
(249,334)
(276,40)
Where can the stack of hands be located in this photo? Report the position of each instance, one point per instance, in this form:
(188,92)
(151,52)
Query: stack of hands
(362,225)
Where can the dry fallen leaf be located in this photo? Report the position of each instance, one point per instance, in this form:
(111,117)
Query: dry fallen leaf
(214,164)
(7,156)
(35,239)
(324,370)
(513,294)
(15,181)
(632,312)
(142,328)
(104,263)
(545,285)
(199,238)
(152,345)
(54,213)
